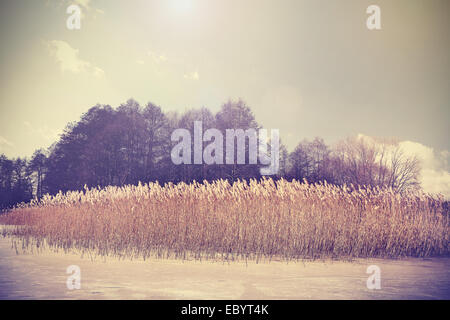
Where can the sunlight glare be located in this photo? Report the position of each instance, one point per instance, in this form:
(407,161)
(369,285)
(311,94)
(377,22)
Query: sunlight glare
(182,6)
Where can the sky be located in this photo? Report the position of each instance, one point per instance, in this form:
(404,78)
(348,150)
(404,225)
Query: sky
(308,68)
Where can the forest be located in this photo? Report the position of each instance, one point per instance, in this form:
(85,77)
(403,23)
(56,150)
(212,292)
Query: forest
(132,143)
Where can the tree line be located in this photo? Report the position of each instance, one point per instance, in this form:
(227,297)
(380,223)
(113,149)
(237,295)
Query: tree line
(132,143)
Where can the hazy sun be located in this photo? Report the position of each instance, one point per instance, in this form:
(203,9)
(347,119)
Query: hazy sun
(182,6)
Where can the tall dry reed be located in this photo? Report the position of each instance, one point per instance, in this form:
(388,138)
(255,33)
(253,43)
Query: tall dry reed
(287,220)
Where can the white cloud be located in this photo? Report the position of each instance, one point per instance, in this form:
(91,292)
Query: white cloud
(83,3)
(69,60)
(45,132)
(192,75)
(157,58)
(5,144)
(87,10)
(98,73)
(434,176)
(173,64)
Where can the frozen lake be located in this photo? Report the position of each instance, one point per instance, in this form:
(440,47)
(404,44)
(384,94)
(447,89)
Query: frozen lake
(43,276)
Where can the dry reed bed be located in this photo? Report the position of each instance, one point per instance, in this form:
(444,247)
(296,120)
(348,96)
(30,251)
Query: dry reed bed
(288,220)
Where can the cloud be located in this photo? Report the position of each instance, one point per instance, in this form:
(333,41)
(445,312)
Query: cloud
(68,59)
(192,75)
(83,3)
(5,144)
(435,175)
(98,73)
(87,10)
(175,65)
(45,132)
(157,58)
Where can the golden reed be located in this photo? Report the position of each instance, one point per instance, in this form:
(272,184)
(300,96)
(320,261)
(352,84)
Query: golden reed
(219,220)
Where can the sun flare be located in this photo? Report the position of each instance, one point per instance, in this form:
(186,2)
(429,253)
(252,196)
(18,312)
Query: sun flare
(182,6)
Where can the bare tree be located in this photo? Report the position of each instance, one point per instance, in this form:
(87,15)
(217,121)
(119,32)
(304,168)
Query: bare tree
(375,162)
